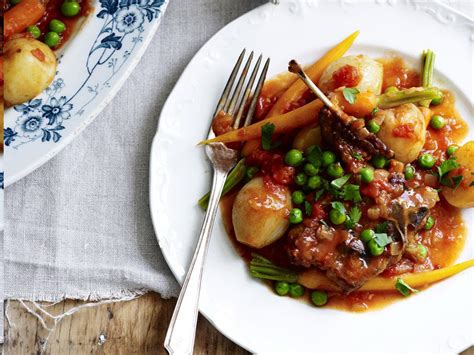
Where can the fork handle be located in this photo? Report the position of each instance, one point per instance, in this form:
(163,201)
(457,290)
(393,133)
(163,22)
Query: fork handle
(182,329)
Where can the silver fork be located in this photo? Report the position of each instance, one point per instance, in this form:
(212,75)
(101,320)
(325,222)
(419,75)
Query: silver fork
(182,329)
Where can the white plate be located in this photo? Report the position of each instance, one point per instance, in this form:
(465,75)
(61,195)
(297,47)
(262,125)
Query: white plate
(438,319)
(92,67)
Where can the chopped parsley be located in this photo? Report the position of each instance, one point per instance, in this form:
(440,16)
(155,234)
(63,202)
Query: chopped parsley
(318,194)
(381,227)
(404,288)
(350,94)
(352,193)
(357,156)
(456,180)
(314,155)
(443,170)
(338,183)
(267,137)
(308,208)
(353,217)
(339,207)
(382,239)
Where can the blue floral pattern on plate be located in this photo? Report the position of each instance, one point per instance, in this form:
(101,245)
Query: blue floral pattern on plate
(44,119)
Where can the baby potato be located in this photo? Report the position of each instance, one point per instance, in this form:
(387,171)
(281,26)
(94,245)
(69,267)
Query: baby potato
(29,68)
(361,71)
(307,137)
(260,214)
(463,195)
(403,130)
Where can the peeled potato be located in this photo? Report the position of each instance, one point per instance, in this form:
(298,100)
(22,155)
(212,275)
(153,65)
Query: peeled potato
(307,137)
(402,118)
(463,195)
(260,214)
(29,68)
(369,71)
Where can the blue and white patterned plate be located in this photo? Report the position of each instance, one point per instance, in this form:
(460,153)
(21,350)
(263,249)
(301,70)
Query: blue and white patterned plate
(91,69)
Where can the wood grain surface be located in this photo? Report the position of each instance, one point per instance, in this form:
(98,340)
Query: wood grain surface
(133,327)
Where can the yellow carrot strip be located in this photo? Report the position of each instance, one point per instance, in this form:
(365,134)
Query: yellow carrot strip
(298,88)
(296,91)
(283,123)
(417,279)
(314,279)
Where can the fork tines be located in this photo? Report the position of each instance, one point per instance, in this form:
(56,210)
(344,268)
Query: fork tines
(234,104)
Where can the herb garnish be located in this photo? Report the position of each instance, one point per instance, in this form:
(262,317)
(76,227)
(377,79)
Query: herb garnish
(357,156)
(267,139)
(353,218)
(352,193)
(404,288)
(382,239)
(445,167)
(350,94)
(308,208)
(338,183)
(339,207)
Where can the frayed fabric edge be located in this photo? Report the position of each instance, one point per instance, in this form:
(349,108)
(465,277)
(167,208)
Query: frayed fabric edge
(92,296)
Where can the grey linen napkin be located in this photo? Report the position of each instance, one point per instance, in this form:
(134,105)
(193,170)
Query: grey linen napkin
(79,226)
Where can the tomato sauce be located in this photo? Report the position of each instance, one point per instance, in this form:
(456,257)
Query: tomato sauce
(397,73)
(444,241)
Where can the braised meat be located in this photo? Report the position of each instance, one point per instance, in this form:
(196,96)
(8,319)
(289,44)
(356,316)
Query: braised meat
(350,137)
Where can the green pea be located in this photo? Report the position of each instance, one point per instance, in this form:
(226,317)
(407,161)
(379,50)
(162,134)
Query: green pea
(373,126)
(319,298)
(374,248)
(337,217)
(281,288)
(437,122)
(328,158)
(34,31)
(379,161)
(296,216)
(14,2)
(426,161)
(300,179)
(57,26)
(296,290)
(391,90)
(51,39)
(70,8)
(310,169)
(335,170)
(314,182)
(367,235)
(251,172)
(297,197)
(430,222)
(409,172)
(437,101)
(294,157)
(451,150)
(366,175)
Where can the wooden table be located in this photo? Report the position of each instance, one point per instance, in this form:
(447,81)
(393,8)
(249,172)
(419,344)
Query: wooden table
(134,327)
